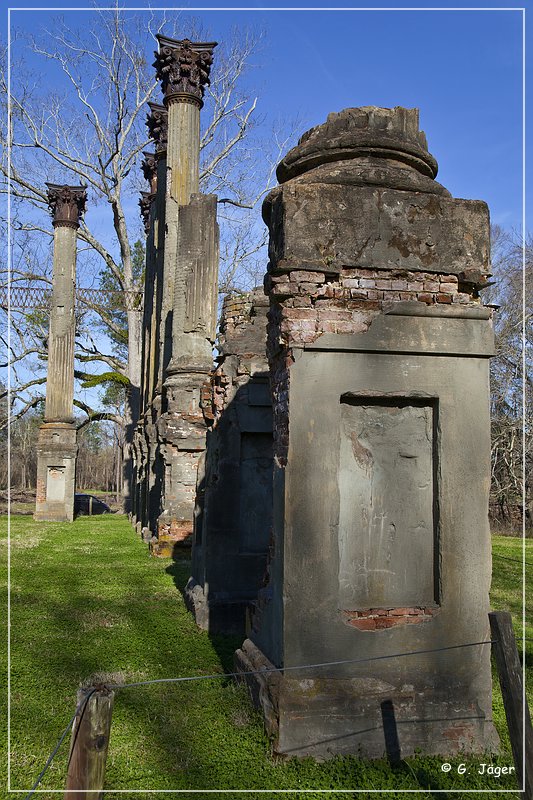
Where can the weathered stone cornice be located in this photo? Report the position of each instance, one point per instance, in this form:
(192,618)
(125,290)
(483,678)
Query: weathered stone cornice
(384,135)
(149,168)
(157,124)
(67,204)
(144,203)
(183,68)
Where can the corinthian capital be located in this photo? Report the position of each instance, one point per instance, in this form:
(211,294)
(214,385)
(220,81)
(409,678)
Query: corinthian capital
(149,168)
(183,68)
(157,124)
(67,204)
(144,203)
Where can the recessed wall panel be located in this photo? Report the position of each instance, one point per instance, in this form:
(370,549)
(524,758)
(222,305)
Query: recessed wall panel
(255,507)
(55,484)
(386,519)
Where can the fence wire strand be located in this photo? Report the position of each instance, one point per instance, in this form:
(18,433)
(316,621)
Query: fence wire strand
(61,739)
(117,686)
(516,560)
(298,667)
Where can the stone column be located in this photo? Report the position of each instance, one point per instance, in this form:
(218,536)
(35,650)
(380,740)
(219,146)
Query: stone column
(157,122)
(191,264)
(57,448)
(183,68)
(146,202)
(158,315)
(379,353)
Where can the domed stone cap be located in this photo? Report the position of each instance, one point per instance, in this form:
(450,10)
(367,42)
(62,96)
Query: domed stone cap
(389,133)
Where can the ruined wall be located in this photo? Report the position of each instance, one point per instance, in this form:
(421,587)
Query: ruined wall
(378,348)
(234,498)
(307,304)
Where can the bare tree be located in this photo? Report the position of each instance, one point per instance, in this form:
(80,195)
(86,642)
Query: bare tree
(92,131)
(512,374)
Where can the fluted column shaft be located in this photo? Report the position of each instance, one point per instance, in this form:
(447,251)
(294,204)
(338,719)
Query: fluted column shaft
(183,152)
(60,379)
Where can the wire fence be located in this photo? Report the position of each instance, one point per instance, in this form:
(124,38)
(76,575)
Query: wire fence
(27,298)
(516,560)
(241,674)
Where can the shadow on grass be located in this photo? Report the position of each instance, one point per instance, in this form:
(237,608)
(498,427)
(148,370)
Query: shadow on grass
(224,645)
(112,609)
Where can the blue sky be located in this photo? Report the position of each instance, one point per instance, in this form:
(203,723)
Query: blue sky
(462,68)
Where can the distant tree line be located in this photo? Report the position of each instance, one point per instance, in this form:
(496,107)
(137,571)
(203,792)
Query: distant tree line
(512,378)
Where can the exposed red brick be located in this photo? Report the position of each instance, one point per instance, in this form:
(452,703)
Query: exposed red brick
(303,276)
(281,289)
(299,313)
(462,297)
(383,618)
(386,622)
(363,624)
(344,327)
(302,302)
(338,314)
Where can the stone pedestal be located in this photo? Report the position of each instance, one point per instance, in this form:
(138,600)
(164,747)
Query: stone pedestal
(56,447)
(56,472)
(233,522)
(379,352)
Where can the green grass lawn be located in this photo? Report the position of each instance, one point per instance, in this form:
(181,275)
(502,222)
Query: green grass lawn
(88,601)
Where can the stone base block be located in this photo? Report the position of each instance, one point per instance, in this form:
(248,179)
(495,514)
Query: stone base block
(171,533)
(227,617)
(53,513)
(56,472)
(146,535)
(312,713)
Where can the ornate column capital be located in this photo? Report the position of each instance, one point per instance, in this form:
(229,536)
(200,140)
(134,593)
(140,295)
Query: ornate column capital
(149,168)
(183,68)
(67,204)
(157,124)
(144,203)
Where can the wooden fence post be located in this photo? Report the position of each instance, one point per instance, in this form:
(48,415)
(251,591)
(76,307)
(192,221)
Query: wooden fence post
(515,703)
(89,743)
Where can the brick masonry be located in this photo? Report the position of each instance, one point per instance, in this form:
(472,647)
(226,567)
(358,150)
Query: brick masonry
(372,619)
(306,304)
(234,494)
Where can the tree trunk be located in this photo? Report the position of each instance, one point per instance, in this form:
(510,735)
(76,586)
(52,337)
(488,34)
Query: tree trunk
(132,406)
